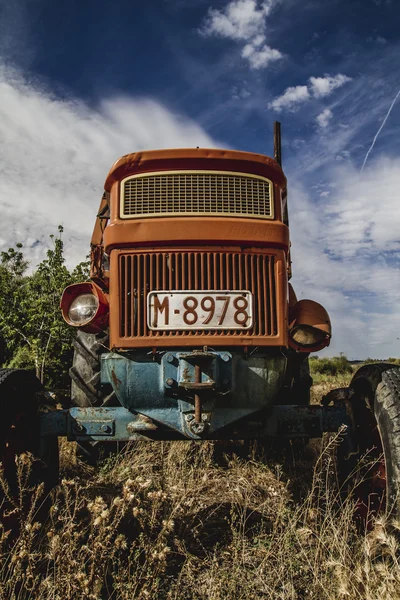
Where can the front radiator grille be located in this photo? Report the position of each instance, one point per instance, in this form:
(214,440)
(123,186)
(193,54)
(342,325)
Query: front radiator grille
(141,273)
(196,193)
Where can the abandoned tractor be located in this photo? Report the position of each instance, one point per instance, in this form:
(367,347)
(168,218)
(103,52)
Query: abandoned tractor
(190,329)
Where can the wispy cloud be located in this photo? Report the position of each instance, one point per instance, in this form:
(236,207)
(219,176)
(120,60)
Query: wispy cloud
(259,54)
(291,97)
(324,118)
(354,244)
(244,21)
(359,222)
(323,86)
(55,155)
(317,87)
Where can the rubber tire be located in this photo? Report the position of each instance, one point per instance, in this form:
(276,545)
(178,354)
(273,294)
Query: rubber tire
(301,389)
(376,413)
(86,389)
(297,384)
(21,402)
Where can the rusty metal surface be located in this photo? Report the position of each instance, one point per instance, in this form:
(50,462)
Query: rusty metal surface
(205,231)
(194,158)
(201,385)
(310,313)
(136,273)
(277,143)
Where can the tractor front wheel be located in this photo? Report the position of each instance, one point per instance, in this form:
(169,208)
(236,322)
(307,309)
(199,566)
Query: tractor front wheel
(86,388)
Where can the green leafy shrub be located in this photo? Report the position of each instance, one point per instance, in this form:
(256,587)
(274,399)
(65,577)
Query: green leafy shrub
(395,361)
(34,332)
(338,365)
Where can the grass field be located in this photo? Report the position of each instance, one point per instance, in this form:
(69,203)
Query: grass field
(201,520)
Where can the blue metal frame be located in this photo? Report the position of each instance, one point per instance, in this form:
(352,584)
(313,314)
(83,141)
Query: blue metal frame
(119,424)
(163,386)
(196,394)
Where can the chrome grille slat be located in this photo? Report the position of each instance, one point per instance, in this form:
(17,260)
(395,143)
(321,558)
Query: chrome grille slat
(199,193)
(140,273)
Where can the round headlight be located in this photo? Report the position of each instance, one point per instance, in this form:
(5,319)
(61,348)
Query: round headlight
(83,308)
(306,335)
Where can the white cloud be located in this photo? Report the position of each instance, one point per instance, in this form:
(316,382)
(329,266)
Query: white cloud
(362,217)
(318,87)
(244,20)
(323,86)
(324,117)
(346,255)
(55,155)
(260,56)
(241,20)
(291,97)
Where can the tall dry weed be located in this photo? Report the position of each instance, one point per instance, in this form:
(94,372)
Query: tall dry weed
(187,520)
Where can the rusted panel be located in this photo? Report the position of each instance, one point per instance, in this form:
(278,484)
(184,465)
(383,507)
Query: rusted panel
(251,270)
(194,159)
(307,313)
(116,381)
(204,385)
(204,230)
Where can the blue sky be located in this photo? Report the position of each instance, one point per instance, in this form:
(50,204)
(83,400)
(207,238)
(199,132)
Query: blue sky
(82,83)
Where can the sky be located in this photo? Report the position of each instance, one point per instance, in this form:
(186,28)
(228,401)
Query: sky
(84,82)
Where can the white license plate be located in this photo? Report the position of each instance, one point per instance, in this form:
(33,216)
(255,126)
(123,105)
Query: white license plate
(199,310)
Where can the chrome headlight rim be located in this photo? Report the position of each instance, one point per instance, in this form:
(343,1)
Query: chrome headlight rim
(91,308)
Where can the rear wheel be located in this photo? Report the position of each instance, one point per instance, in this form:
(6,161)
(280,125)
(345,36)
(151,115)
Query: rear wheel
(86,388)
(370,455)
(20,405)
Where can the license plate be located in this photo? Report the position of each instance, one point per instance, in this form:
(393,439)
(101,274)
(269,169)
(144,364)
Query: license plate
(199,310)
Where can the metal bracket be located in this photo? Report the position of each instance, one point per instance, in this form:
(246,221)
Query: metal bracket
(180,370)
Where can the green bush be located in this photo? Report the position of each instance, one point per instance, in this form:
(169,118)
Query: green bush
(391,359)
(338,365)
(395,361)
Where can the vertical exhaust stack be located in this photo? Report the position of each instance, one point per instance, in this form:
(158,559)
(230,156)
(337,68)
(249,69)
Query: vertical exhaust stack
(278,158)
(277,143)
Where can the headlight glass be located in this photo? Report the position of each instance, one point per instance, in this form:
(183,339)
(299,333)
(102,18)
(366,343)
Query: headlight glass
(306,335)
(83,308)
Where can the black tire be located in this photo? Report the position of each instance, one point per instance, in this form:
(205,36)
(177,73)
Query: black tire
(21,401)
(302,381)
(375,408)
(297,385)
(86,388)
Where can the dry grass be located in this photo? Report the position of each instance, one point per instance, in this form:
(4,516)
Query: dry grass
(186,520)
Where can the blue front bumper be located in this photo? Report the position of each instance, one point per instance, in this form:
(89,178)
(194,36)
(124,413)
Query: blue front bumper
(196,393)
